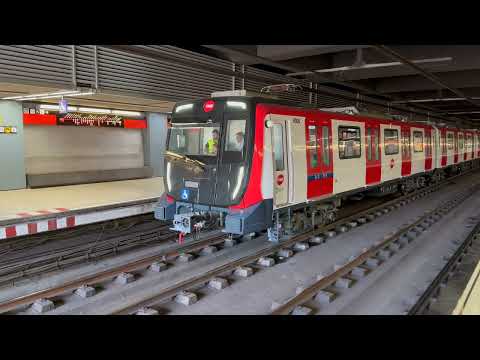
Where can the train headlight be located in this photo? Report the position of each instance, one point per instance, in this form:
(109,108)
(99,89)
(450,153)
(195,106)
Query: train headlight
(169,181)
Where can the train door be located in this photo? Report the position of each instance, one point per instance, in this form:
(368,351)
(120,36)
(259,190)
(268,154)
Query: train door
(428,149)
(461,147)
(280,160)
(319,155)
(372,144)
(443,147)
(455,137)
(477,142)
(391,156)
(406,151)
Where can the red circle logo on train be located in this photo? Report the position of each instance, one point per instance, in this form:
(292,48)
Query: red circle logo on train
(280,179)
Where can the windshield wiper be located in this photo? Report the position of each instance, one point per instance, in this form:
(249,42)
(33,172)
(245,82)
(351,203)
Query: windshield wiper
(186,158)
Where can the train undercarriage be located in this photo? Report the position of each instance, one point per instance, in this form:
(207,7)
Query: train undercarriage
(291,220)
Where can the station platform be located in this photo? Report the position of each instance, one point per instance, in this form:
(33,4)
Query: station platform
(30,211)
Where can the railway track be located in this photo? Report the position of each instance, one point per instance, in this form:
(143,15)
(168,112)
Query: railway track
(40,254)
(314,237)
(431,293)
(369,260)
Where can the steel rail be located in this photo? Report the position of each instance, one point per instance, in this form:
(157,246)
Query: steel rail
(168,293)
(108,274)
(194,246)
(423,302)
(308,293)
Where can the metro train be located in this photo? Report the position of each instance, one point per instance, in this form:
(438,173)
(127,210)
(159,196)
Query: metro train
(253,164)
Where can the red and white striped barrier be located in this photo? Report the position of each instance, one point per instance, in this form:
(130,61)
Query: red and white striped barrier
(58,220)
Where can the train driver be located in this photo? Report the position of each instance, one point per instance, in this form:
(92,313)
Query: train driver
(211,146)
(239,138)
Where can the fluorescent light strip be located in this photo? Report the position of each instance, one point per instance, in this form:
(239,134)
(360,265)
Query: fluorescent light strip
(63,92)
(184,107)
(126,113)
(56,107)
(92,110)
(238,104)
(49,95)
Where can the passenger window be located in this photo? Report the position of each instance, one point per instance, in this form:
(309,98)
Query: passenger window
(278,147)
(312,145)
(460,141)
(326,146)
(235,140)
(375,143)
(450,141)
(391,141)
(417,141)
(349,142)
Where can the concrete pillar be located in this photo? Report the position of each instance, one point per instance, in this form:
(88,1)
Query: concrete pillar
(12,161)
(155,137)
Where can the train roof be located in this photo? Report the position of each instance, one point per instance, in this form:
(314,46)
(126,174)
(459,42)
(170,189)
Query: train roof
(271,100)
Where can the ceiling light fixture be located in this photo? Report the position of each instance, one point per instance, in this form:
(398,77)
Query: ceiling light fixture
(51,95)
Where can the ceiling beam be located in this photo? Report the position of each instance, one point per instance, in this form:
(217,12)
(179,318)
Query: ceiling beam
(323,90)
(435,79)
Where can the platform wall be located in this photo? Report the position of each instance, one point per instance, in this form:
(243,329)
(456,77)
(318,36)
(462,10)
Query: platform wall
(12,168)
(57,149)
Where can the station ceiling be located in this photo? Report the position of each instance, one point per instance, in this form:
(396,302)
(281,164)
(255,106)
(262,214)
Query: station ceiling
(441,79)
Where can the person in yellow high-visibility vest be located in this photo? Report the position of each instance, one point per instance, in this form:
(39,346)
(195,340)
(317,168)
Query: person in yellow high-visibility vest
(211,146)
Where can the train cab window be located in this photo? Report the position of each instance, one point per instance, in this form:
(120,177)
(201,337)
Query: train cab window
(326,146)
(417,141)
(194,139)
(312,145)
(391,141)
(278,147)
(450,141)
(349,142)
(235,140)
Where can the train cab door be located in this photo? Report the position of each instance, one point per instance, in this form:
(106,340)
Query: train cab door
(280,160)
(374,164)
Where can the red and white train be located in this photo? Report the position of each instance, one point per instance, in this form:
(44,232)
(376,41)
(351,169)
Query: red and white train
(255,163)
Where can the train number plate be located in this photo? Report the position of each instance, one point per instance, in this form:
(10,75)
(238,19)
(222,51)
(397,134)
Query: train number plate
(191,184)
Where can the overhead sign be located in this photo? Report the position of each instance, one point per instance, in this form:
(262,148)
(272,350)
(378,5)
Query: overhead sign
(8,130)
(78,119)
(63,106)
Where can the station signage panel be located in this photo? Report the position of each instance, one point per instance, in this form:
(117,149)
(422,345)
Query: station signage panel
(78,119)
(8,130)
(84,120)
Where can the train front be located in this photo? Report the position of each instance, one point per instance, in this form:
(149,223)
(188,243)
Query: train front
(207,164)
